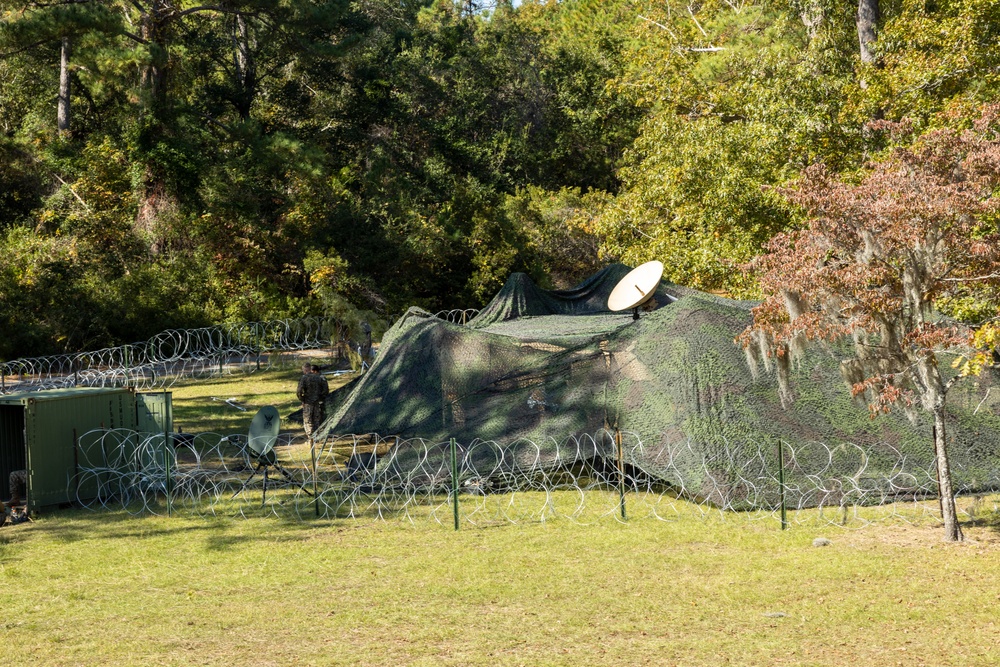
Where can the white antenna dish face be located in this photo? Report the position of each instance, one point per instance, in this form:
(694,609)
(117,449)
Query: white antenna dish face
(635,288)
(264,430)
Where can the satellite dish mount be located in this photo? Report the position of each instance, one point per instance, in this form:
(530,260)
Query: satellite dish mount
(260,447)
(636,288)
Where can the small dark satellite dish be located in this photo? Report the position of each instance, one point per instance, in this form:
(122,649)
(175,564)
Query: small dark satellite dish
(264,431)
(636,288)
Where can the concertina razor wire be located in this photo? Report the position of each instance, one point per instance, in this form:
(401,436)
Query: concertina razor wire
(172,355)
(590,478)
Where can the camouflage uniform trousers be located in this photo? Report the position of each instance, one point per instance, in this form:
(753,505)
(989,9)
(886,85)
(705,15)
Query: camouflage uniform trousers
(313,415)
(18,486)
(312,391)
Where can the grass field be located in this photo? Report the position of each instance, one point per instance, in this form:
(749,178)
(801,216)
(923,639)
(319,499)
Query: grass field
(100,588)
(81,588)
(200,405)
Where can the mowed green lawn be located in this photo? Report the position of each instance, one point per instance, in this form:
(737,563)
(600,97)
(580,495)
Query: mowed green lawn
(82,588)
(201,405)
(99,588)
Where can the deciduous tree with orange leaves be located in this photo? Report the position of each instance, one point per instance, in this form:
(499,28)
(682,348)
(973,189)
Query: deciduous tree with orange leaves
(875,256)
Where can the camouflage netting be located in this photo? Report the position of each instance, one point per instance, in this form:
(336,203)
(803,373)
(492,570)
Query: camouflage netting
(537,367)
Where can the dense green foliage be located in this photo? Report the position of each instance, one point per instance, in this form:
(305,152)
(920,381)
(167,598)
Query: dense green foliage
(264,158)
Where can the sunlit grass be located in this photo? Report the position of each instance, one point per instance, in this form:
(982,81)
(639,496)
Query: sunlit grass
(200,405)
(80,588)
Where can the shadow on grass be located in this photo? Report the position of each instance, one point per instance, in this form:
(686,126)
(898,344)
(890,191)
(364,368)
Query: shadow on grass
(286,518)
(220,532)
(989,520)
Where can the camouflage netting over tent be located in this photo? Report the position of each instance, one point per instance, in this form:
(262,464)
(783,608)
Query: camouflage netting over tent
(539,367)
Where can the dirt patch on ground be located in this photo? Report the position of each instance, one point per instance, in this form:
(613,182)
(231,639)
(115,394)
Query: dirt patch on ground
(924,536)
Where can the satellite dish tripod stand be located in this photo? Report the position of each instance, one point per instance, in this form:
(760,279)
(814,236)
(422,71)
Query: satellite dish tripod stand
(265,462)
(260,446)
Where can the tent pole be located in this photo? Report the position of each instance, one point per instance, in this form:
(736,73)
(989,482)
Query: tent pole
(621,473)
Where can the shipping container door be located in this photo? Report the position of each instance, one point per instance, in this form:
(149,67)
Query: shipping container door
(154,412)
(154,415)
(13,451)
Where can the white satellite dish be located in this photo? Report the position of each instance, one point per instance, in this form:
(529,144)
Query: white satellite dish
(636,288)
(264,431)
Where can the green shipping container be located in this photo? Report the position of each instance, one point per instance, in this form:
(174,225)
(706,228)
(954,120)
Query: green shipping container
(40,432)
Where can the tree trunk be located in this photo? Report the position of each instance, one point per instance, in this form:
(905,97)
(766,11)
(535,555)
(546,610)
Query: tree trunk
(933,391)
(246,70)
(952,531)
(812,16)
(867,19)
(154,73)
(155,200)
(62,111)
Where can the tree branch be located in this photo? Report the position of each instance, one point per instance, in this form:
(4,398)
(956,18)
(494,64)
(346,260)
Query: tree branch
(658,25)
(991,276)
(23,49)
(212,8)
(135,38)
(78,197)
(988,390)
(43,5)
(219,125)
(693,18)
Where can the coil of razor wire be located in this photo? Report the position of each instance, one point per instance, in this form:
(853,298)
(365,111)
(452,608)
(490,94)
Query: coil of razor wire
(172,355)
(583,479)
(458,315)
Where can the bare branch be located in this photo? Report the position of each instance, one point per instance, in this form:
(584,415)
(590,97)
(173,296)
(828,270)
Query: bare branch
(223,127)
(736,8)
(951,382)
(988,390)
(693,18)
(211,8)
(659,25)
(43,5)
(78,197)
(134,38)
(991,276)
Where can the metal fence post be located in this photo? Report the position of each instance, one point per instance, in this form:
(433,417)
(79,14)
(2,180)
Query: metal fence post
(312,449)
(166,467)
(781,484)
(76,466)
(454,479)
(621,473)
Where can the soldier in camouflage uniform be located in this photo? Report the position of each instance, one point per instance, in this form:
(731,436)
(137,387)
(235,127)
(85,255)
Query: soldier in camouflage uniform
(18,486)
(313,390)
(11,511)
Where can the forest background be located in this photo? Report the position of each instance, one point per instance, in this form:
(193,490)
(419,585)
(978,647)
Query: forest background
(165,163)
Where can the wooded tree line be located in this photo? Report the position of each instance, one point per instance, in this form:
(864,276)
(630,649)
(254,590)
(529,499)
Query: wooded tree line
(168,163)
